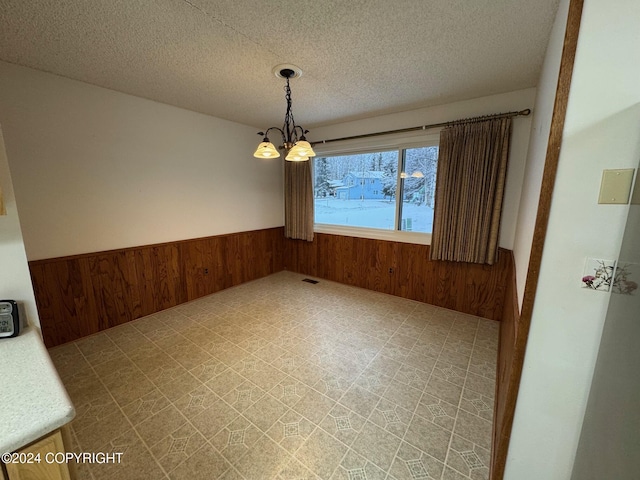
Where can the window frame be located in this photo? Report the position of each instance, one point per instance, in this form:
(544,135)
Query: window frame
(374,145)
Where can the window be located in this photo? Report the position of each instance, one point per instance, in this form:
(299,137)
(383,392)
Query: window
(383,189)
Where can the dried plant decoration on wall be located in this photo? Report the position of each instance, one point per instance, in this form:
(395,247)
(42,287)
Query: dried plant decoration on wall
(598,274)
(605,275)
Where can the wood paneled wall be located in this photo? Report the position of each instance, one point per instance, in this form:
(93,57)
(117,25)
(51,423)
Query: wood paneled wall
(403,269)
(83,294)
(506,351)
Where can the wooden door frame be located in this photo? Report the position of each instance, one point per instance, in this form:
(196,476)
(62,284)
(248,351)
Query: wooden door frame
(502,437)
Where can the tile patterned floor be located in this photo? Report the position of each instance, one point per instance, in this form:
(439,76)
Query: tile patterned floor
(282,379)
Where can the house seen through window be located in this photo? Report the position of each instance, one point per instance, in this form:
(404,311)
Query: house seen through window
(390,190)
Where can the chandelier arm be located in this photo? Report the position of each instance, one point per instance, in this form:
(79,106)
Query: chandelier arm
(266,133)
(302,132)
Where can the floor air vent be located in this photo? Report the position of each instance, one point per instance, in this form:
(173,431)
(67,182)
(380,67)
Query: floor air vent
(308,280)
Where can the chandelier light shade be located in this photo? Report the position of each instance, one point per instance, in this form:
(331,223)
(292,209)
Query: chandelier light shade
(294,143)
(266,150)
(293,156)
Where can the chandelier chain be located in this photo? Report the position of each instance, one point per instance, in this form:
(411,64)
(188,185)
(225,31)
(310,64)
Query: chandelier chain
(289,127)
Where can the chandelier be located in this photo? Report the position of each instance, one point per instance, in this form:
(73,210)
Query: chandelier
(294,142)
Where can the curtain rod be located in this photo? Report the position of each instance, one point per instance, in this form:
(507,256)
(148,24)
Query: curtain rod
(522,113)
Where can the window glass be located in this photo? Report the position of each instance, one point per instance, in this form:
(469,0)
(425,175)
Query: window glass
(356,190)
(362,190)
(418,178)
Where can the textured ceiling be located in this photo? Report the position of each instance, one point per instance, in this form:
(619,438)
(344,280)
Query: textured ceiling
(359,57)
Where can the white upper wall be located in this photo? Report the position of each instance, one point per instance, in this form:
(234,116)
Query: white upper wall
(541,126)
(518,100)
(94,169)
(601,132)
(15,279)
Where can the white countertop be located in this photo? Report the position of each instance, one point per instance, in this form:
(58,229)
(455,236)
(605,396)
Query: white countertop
(33,401)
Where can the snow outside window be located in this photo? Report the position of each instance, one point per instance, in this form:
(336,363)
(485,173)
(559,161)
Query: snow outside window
(387,190)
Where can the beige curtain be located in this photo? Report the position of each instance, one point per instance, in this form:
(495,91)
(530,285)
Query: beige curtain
(298,201)
(472,168)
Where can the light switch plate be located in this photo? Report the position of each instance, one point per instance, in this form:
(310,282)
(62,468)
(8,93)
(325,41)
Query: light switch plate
(616,186)
(635,196)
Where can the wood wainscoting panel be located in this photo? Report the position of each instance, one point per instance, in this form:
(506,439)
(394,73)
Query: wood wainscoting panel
(65,300)
(403,269)
(114,281)
(158,277)
(83,294)
(506,350)
(203,264)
